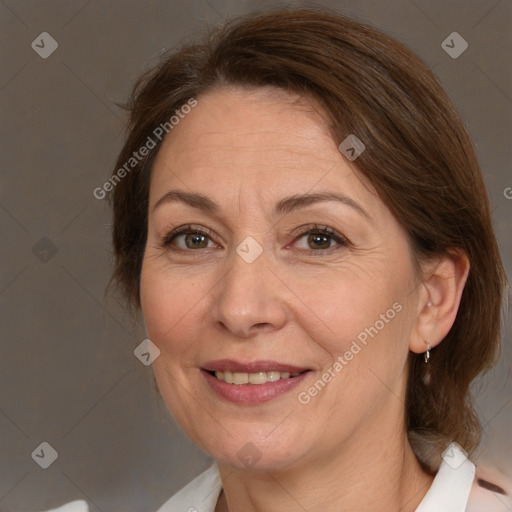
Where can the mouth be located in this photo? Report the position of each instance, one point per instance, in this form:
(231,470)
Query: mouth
(253,378)
(256,372)
(252,383)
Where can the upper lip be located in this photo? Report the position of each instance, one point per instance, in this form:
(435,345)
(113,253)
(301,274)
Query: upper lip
(230,365)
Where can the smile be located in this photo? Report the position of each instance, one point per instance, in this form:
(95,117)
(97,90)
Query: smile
(258,378)
(252,383)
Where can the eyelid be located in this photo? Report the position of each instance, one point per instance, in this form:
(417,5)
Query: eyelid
(168,238)
(326,230)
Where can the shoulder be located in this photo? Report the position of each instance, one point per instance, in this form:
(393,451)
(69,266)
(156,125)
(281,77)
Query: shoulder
(200,494)
(491,491)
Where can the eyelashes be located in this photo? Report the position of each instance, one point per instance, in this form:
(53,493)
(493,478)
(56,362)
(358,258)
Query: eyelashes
(312,239)
(321,237)
(198,234)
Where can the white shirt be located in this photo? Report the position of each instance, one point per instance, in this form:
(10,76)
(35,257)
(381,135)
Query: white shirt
(449,491)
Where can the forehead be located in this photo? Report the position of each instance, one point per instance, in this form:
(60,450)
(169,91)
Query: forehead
(252,140)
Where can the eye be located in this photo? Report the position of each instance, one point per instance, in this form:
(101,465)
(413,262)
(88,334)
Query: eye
(319,239)
(188,238)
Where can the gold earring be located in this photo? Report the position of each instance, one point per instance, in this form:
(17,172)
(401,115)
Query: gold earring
(426,356)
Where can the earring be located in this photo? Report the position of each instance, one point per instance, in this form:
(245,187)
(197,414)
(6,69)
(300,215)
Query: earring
(426,356)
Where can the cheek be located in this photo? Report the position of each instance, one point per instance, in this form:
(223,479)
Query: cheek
(363,337)
(345,302)
(361,317)
(170,306)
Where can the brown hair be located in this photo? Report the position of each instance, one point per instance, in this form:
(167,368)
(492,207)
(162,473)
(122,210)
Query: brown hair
(418,157)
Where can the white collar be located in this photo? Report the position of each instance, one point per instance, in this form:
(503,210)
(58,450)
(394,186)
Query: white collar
(200,495)
(452,484)
(449,491)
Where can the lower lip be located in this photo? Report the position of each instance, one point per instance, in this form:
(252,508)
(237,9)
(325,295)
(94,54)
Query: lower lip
(253,394)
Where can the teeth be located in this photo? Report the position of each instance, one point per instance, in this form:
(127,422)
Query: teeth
(257,378)
(240,378)
(253,378)
(273,376)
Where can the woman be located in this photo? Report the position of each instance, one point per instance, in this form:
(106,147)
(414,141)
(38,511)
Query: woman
(312,249)
(303,222)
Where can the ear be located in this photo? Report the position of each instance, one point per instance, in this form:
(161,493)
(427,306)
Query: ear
(439,299)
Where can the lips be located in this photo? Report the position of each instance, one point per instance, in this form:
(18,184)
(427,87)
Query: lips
(229,365)
(252,383)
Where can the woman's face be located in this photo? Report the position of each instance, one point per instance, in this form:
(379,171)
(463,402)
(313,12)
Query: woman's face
(267,256)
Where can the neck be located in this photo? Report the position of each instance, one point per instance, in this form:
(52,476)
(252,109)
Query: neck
(384,475)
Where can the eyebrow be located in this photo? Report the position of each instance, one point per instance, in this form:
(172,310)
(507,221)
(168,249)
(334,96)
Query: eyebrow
(298,201)
(199,201)
(284,206)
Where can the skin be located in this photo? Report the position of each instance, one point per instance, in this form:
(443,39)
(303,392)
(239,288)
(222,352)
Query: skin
(347,449)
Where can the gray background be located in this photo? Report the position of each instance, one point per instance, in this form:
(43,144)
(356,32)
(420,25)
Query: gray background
(68,375)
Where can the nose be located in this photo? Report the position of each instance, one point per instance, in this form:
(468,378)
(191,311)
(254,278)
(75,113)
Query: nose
(249,299)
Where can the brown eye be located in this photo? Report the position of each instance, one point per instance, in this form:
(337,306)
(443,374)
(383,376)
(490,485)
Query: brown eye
(319,241)
(188,238)
(196,241)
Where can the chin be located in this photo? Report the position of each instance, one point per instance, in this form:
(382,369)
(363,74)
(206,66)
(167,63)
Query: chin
(256,453)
